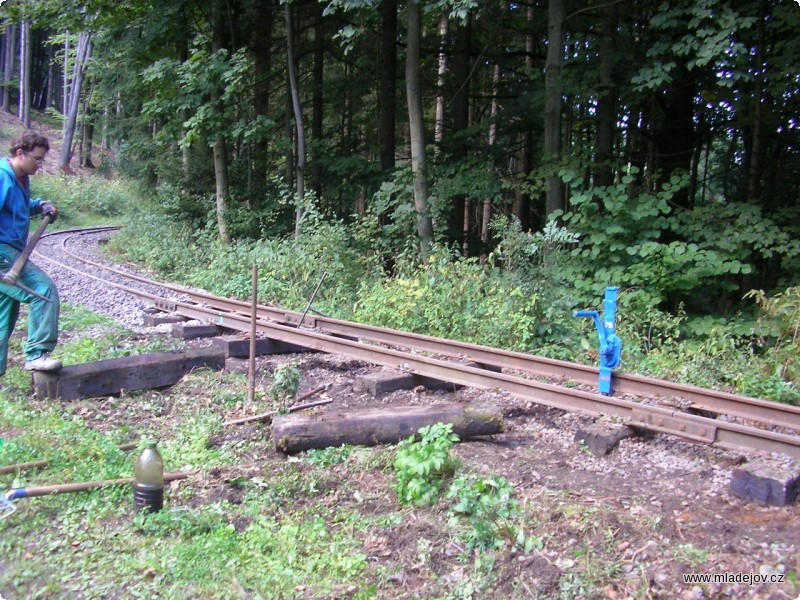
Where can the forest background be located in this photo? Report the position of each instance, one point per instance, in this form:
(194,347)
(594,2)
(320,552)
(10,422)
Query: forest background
(472,170)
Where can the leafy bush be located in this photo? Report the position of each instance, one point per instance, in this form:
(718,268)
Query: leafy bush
(422,466)
(642,242)
(79,196)
(285,383)
(489,505)
(779,327)
(458,298)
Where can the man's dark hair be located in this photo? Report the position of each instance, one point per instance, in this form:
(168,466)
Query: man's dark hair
(28,141)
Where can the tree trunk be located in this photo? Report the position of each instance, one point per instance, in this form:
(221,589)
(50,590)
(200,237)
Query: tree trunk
(261,45)
(296,432)
(438,130)
(387,104)
(8,64)
(419,167)
(553,103)
(675,129)
(316,101)
(300,162)
(51,83)
(487,202)
(522,201)
(607,101)
(467,212)
(65,85)
(754,152)
(82,56)
(220,144)
(88,137)
(459,146)
(221,179)
(25,73)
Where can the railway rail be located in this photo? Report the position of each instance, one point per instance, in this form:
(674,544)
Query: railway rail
(743,423)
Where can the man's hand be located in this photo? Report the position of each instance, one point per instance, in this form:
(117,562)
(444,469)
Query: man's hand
(48,208)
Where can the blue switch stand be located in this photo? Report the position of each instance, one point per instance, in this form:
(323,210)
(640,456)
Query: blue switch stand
(610,345)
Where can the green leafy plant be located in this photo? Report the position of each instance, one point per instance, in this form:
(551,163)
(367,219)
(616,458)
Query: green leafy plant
(285,383)
(642,242)
(688,553)
(423,465)
(492,511)
(334,455)
(780,321)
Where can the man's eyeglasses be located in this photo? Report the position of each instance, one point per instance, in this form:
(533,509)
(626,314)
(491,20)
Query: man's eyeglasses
(38,159)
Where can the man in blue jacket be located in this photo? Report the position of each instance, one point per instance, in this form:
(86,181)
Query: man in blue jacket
(16,209)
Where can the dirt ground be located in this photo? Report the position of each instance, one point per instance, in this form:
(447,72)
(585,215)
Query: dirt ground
(632,522)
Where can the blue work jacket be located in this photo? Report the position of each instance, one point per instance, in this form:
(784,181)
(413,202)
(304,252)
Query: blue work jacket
(16,207)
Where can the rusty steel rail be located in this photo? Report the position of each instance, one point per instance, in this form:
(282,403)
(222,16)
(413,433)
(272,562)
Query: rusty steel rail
(654,418)
(742,407)
(285,326)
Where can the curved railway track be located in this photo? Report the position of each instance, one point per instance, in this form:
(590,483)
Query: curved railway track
(742,423)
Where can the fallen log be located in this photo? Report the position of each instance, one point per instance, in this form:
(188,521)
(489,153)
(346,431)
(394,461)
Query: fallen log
(371,426)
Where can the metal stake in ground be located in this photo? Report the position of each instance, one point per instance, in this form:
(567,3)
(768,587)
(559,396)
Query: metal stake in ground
(251,366)
(314,295)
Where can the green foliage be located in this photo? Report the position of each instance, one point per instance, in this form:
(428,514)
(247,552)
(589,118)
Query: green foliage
(423,465)
(79,318)
(689,554)
(85,199)
(75,451)
(289,269)
(285,383)
(393,206)
(703,31)
(779,325)
(111,345)
(489,506)
(722,360)
(326,457)
(201,88)
(461,299)
(152,241)
(656,252)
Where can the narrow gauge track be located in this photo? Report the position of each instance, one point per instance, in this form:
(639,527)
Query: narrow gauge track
(378,346)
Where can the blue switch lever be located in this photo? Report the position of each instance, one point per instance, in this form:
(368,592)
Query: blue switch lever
(610,345)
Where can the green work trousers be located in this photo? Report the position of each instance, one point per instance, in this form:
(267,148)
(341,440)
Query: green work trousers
(42,315)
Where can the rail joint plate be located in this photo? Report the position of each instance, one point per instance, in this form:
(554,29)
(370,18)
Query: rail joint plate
(675,425)
(165,305)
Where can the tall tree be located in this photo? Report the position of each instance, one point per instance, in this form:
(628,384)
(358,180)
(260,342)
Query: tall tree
(25,73)
(416,124)
(607,98)
(387,83)
(10,44)
(218,44)
(438,129)
(82,54)
(553,102)
(299,127)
